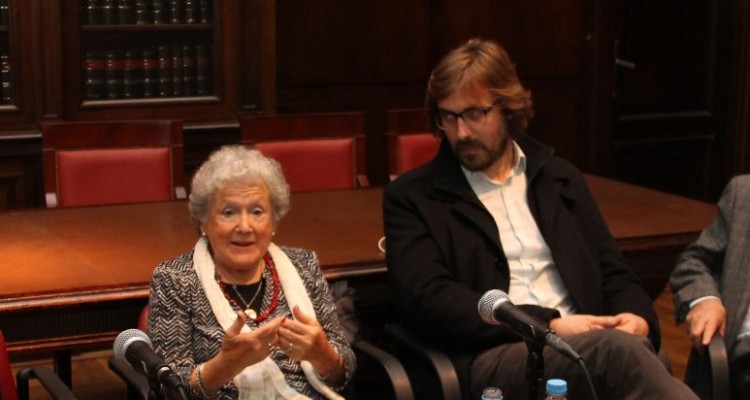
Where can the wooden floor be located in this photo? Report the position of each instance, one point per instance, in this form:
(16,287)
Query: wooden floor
(673,337)
(92,379)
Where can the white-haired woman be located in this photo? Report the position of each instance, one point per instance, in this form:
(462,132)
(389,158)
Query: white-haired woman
(238,317)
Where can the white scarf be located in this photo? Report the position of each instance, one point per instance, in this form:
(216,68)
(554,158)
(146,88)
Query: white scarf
(263,380)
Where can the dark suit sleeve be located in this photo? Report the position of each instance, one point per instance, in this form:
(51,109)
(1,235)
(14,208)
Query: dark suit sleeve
(621,289)
(703,260)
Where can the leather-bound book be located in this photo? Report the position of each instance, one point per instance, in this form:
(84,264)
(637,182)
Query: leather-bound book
(6,79)
(132,75)
(150,74)
(93,11)
(188,70)
(204,11)
(176,12)
(159,11)
(202,83)
(125,12)
(93,70)
(177,76)
(165,72)
(113,72)
(142,12)
(190,10)
(109,12)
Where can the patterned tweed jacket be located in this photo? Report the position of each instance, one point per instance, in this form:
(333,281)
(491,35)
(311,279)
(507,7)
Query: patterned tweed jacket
(185,332)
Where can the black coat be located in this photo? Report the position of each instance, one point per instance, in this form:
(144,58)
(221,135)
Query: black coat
(443,251)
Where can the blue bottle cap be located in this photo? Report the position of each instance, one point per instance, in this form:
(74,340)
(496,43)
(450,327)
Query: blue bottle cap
(492,393)
(557,387)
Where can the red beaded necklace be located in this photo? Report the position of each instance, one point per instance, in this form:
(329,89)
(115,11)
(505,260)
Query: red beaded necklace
(274,299)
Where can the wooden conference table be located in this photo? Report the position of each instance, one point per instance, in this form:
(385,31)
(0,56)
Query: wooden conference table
(75,277)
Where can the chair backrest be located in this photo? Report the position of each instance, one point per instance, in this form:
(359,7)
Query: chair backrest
(316,151)
(7,383)
(143,319)
(109,162)
(411,141)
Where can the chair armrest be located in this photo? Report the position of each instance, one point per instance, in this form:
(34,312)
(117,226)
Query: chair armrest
(363,181)
(138,386)
(51,382)
(441,365)
(50,200)
(717,353)
(396,372)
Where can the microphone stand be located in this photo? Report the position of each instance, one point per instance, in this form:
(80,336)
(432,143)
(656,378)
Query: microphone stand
(154,392)
(154,389)
(534,367)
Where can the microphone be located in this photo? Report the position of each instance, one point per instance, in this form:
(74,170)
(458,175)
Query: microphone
(495,308)
(134,346)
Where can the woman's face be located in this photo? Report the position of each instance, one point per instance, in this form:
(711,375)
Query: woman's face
(239,226)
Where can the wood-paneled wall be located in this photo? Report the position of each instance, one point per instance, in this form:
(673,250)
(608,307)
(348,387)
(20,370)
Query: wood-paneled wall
(677,122)
(378,55)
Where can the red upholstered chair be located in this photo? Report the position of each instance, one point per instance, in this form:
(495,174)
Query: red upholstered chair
(316,151)
(95,163)
(411,141)
(46,376)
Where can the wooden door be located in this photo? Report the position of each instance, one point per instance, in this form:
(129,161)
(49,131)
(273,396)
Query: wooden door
(670,94)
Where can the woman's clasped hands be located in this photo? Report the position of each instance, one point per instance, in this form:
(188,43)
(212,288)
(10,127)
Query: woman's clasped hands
(301,338)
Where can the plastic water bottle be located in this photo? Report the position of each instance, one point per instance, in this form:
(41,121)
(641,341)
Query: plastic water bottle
(492,393)
(557,389)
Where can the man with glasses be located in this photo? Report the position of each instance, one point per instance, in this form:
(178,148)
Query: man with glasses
(496,210)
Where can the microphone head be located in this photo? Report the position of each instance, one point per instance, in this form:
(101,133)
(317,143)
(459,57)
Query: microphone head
(125,339)
(489,302)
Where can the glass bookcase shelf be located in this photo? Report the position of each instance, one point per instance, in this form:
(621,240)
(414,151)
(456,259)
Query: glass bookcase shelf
(129,51)
(147,28)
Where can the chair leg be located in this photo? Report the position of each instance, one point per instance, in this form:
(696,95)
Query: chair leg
(62,361)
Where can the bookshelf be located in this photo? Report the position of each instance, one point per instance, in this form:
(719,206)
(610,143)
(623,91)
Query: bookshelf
(184,59)
(199,61)
(143,49)
(7,86)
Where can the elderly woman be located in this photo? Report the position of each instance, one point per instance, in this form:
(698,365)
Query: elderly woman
(238,317)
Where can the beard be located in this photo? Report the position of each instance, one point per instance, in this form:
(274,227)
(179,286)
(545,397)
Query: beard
(478,155)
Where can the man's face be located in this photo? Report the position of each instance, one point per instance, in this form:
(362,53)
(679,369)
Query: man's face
(479,136)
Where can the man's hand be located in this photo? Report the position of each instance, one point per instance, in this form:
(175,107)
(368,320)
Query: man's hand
(578,323)
(632,323)
(704,320)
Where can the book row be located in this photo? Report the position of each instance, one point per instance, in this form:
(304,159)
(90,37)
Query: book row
(167,71)
(143,12)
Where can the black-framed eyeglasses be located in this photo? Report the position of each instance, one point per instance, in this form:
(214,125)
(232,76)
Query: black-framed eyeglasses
(472,116)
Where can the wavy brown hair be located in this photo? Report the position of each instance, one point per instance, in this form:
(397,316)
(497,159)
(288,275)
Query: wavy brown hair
(479,64)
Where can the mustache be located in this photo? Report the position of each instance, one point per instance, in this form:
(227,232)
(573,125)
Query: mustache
(469,142)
